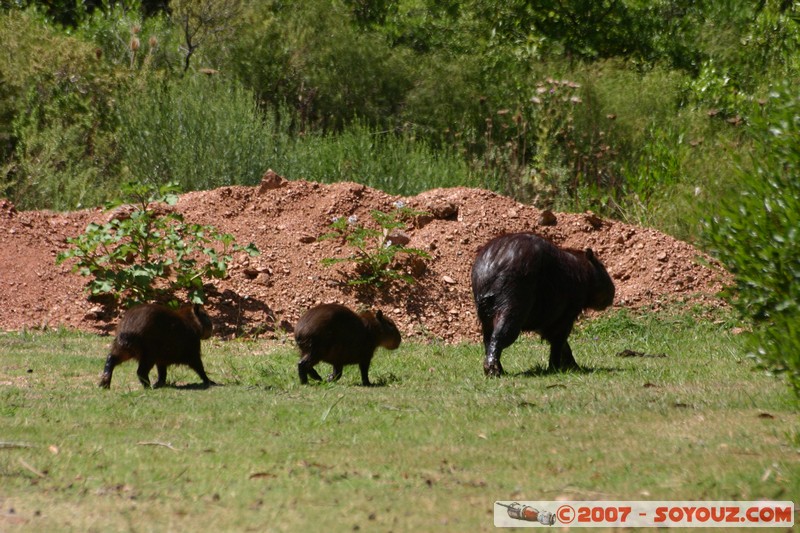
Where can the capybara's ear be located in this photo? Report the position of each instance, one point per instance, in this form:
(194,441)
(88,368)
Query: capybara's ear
(379,314)
(589,254)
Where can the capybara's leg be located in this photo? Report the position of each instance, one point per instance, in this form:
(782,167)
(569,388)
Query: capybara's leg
(488,330)
(336,374)
(561,357)
(305,368)
(111,362)
(302,370)
(162,376)
(197,366)
(491,365)
(144,373)
(567,360)
(364,367)
(506,330)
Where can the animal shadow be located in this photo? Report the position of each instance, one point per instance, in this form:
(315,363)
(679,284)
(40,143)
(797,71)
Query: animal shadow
(375,383)
(190,386)
(539,371)
(232,312)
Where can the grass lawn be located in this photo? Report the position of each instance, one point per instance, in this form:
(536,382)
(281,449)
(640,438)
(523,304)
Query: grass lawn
(430,448)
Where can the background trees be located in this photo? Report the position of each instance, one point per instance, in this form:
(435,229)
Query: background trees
(633,109)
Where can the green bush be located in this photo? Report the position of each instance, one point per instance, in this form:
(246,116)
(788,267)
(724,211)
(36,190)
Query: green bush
(756,235)
(59,120)
(149,254)
(263,58)
(314,55)
(128,40)
(199,131)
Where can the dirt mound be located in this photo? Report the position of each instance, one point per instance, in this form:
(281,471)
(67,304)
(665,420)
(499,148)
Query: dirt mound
(268,293)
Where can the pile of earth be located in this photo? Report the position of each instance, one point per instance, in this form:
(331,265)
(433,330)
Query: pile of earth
(265,295)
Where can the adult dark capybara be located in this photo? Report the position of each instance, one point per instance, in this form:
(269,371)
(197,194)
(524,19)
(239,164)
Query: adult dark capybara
(159,336)
(335,334)
(521,282)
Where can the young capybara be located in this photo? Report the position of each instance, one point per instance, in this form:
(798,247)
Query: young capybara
(521,282)
(335,334)
(159,336)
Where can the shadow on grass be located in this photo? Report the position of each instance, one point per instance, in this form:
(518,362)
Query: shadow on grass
(388,379)
(539,371)
(382,381)
(190,386)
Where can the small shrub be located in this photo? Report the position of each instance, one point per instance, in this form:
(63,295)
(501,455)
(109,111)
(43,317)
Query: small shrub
(756,235)
(376,253)
(150,255)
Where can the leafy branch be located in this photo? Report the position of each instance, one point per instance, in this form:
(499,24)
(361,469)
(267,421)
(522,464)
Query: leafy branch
(376,250)
(148,253)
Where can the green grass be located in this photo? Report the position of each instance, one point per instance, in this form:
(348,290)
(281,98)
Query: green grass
(431,448)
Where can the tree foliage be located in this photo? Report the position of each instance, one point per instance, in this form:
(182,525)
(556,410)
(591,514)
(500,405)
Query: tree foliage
(457,75)
(204,23)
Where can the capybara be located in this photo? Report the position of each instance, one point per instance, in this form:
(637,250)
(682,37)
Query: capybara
(335,334)
(159,336)
(522,282)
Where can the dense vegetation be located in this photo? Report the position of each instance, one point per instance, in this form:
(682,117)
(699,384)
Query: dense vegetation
(757,236)
(652,112)
(633,109)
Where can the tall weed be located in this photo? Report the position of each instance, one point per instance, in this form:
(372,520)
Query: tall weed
(199,131)
(395,163)
(128,40)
